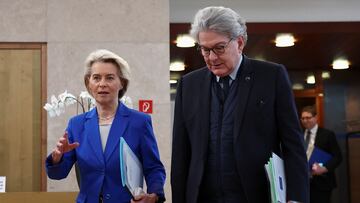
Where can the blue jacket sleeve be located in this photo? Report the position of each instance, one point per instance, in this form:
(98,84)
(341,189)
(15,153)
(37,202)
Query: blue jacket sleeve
(154,171)
(62,169)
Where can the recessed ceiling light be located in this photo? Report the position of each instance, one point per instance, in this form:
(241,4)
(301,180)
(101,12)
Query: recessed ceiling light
(185,41)
(172,90)
(298,86)
(310,79)
(260,58)
(340,64)
(325,75)
(284,40)
(172,81)
(177,66)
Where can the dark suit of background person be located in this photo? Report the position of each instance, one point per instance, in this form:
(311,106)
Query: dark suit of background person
(323,182)
(95,138)
(260,118)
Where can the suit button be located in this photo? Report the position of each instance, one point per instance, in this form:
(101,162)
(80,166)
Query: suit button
(107,196)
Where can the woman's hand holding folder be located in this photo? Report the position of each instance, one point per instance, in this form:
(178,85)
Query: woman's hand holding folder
(145,198)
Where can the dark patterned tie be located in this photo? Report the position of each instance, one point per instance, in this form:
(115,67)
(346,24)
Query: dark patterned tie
(225,85)
(307,138)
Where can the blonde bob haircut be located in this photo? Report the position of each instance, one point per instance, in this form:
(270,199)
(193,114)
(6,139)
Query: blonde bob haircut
(106,56)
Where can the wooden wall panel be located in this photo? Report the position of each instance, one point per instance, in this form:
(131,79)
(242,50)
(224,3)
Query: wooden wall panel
(354,168)
(38,197)
(20,124)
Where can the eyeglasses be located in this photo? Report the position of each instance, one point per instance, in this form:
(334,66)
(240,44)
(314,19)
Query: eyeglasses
(306,118)
(218,49)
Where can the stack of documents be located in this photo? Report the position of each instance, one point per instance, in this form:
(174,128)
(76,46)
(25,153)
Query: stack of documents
(2,183)
(131,169)
(276,175)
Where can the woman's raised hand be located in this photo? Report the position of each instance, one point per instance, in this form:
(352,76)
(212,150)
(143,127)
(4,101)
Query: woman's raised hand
(62,146)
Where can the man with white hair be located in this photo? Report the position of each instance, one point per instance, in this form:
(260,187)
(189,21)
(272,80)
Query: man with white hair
(229,118)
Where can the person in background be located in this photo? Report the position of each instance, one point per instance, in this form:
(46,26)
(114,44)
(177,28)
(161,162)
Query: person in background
(229,118)
(92,139)
(322,180)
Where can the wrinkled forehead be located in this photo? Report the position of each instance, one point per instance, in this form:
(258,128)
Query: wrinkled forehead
(306,114)
(104,68)
(211,38)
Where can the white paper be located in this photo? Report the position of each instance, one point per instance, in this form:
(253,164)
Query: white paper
(2,183)
(279,178)
(131,169)
(276,176)
(271,182)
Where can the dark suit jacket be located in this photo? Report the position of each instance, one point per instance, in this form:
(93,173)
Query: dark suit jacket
(265,121)
(326,140)
(100,171)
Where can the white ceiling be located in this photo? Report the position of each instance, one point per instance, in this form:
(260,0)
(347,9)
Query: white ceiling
(183,11)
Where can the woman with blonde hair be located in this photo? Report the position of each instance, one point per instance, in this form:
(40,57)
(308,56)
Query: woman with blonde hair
(92,139)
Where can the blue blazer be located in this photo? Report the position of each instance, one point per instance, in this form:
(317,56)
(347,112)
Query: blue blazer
(100,170)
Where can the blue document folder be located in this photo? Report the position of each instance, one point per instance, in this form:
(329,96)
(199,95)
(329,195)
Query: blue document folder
(319,156)
(131,169)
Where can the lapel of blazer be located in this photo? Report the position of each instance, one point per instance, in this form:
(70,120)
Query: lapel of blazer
(204,111)
(319,139)
(93,133)
(245,83)
(117,130)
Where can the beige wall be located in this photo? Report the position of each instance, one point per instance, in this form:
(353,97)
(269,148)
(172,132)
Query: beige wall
(138,30)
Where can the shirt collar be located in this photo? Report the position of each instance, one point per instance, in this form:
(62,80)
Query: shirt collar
(314,129)
(234,72)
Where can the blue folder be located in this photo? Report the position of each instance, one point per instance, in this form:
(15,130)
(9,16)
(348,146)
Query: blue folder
(131,169)
(319,156)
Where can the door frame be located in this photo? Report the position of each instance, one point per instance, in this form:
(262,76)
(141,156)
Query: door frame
(318,94)
(42,47)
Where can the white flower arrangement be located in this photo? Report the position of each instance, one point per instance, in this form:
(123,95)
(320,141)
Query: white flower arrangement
(127,101)
(57,105)
(85,100)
